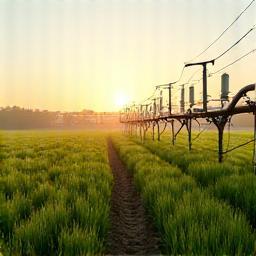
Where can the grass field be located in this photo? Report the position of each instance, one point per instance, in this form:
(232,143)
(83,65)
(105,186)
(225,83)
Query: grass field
(232,181)
(196,206)
(55,193)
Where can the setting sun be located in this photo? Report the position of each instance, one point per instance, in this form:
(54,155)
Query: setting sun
(121,99)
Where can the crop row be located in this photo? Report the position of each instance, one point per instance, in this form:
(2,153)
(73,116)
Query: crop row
(54,194)
(188,219)
(231,181)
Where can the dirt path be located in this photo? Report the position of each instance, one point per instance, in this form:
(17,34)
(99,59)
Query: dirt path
(131,232)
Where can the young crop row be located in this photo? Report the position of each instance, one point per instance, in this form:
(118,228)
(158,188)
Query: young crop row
(55,194)
(188,219)
(231,181)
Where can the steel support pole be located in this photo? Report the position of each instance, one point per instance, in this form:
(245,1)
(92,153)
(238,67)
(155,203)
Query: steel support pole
(170,99)
(189,127)
(204,64)
(140,124)
(173,136)
(158,131)
(153,131)
(220,132)
(204,88)
(220,123)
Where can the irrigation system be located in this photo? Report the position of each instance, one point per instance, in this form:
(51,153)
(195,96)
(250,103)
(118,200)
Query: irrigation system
(139,119)
(153,114)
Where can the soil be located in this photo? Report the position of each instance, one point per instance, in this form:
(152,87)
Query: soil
(131,229)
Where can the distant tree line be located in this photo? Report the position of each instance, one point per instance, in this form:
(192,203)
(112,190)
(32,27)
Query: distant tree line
(20,118)
(16,118)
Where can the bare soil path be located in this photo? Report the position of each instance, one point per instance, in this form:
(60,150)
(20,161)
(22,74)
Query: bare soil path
(131,231)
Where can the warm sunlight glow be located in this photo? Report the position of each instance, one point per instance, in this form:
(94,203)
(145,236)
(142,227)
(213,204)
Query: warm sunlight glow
(98,55)
(121,99)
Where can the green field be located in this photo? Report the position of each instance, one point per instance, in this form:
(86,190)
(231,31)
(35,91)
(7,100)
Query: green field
(198,205)
(55,191)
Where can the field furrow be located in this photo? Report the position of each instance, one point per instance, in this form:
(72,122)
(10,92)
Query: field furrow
(188,218)
(131,232)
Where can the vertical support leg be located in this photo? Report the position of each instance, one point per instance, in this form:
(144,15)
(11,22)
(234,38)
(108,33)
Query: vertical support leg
(140,127)
(145,126)
(220,123)
(153,131)
(189,129)
(173,136)
(144,131)
(158,131)
(220,132)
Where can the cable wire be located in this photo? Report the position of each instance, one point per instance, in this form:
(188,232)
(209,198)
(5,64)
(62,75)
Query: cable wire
(181,74)
(236,19)
(152,95)
(171,83)
(205,129)
(239,146)
(232,63)
(237,42)
(193,75)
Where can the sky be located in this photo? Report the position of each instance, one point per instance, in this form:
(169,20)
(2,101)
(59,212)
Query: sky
(70,55)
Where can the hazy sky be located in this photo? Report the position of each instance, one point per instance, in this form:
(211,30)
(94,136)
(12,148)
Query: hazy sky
(75,54)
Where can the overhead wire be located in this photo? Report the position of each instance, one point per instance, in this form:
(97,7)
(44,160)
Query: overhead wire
(217,39)
(176,81)
(191,77)
(182,71)
(236,43)
(150,97)
(232,63)
(181,74)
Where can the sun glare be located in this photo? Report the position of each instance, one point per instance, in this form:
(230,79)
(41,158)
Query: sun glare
(121,99)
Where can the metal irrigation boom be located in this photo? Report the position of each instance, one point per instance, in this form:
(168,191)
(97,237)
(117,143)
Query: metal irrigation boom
(218,117)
